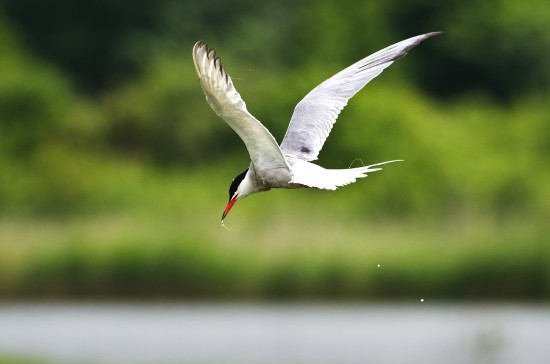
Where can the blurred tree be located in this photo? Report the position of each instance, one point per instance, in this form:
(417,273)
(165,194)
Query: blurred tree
(33,98)
(102,43)
(163,118)
(497,46)
(83,37)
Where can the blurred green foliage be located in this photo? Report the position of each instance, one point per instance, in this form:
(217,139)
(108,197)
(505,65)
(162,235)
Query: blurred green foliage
(104,130)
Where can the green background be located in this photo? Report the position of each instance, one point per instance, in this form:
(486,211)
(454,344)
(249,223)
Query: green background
(114,170)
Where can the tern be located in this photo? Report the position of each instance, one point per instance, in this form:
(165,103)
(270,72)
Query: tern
(289,165)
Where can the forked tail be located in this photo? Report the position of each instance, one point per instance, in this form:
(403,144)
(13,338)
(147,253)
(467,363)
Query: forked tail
(312,175)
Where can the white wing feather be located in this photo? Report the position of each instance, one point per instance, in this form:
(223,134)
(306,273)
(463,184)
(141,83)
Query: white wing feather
(228,104)
(315,115)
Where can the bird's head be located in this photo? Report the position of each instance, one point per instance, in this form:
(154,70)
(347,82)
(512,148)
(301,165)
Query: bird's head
(242,186)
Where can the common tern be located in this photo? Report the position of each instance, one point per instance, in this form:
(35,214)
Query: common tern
(289,165)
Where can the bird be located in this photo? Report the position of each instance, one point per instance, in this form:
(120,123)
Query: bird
(289,165)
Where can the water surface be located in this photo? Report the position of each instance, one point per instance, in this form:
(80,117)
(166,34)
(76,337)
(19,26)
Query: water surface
(248,333)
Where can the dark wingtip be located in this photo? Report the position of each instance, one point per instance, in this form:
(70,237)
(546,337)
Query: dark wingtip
(423,37)
(200,44)
(431,34)
(420,38)
(211,53)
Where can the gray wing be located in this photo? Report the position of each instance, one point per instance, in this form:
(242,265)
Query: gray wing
(226,102)
(315,115)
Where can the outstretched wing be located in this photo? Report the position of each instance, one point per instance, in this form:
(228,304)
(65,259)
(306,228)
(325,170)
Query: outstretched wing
(315,115)
(228,104)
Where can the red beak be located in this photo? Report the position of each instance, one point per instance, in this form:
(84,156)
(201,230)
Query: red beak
(229,206)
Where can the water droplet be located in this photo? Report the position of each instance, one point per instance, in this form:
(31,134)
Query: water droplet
(378,265)
(422,300)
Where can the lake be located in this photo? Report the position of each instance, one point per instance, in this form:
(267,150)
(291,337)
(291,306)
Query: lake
(277,333)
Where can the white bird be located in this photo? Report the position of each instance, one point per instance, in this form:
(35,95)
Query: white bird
(288,165)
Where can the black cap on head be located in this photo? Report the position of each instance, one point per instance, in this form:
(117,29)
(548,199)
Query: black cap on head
(236,182)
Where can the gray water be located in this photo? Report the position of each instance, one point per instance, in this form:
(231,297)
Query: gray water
(241,333)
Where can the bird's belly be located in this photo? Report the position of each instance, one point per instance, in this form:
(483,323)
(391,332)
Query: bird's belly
(274,178)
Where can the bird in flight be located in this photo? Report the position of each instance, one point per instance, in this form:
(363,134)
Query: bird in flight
(289,165)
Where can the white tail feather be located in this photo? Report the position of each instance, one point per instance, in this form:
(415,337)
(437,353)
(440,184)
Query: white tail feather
(312,175)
